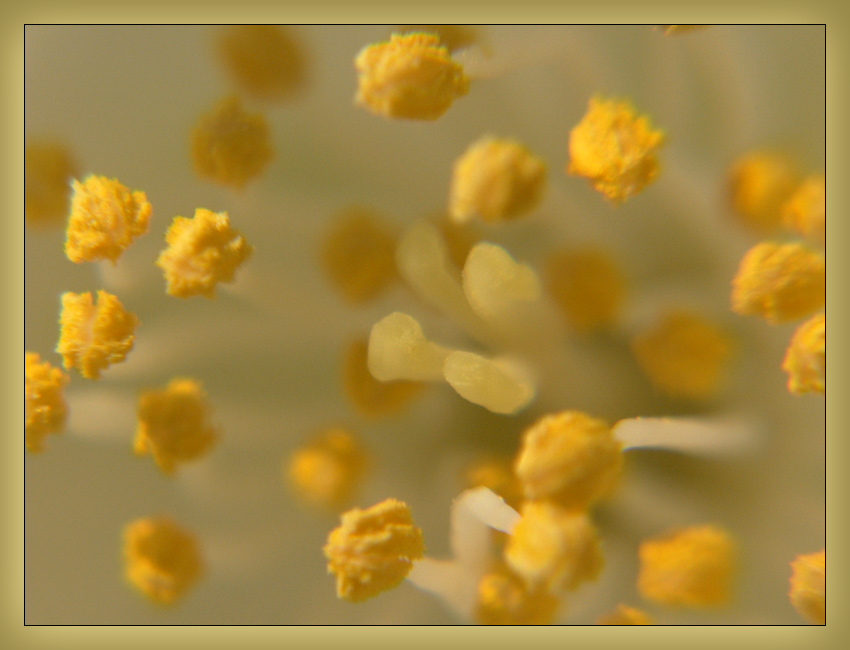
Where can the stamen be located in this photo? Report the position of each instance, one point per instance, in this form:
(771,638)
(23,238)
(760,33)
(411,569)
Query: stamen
(48,170)
(495,474)
(45,410)
(398,349)
(624,615)
(327,470)
(499,385)
(805,211)
(808,586)
(759,183)
(505,599)
(728,436)
(805,358)
(452,36)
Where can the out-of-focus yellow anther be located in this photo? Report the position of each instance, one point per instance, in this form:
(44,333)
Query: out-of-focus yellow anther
(44,402)
(684,355)
(105,219)
(266,61)
(373,549)
(587,286)
(805,211)
(454,37)
(373,398)
(411,76)
(691,567)
(624,615)
(779,282)
(759,183)
(48,170)
(161,559)
(805,358)
(505,599)
(570,458)
(174,424)
(553,548)
(496,474)
(614,149)
(327,471)
(94,336)
(496,179)
(808,586)
(230,146)
(200,253)
(358,255)
(670,30)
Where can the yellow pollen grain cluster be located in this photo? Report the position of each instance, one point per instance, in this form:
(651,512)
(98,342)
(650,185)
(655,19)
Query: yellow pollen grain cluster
(570,458)
(94,336)
(174,424)
(105,219)
(44,402)
(691,567)
(614,149)
(373,398)
(373,549)
(759,183)
(496,475)
(411,76)
(496,179)
(504,599)
(48,170)
(624,615)
(808,586)
(327,471)
(200,253)
(805,211)
(805,358)
(454,37)
(161,559)
(779,282)
(230,146)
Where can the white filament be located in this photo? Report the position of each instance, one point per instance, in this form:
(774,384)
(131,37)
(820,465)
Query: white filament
(730,436)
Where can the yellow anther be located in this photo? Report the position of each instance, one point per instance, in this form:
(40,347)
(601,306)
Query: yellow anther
(411,76)
(200,253)
(229,146)
(48,170)
(691,567)
(358,255)
(684,355)
(496,475)
(92,337)
(44,402)
(588,287)
(570,458)
(759,183)
(805,211)
(805,358)
(373,398)
(624,615)
(454,37)
(373,549)
(266,61)
(808,586)
(496,179)
(174,424)
(553,548)
(779,282)
(504,599)
(161,559)
(327,471)
(105,219)
(614,149)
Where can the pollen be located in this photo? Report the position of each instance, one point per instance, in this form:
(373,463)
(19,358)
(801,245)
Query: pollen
(496,475)
(505,599)
(454,37)
(411,76)
(496,179)
(808,586)
(692,567)
(805,358)
(759,183)
(373,550)
(230,146)
(94,336)
(570,458)
(200,253)
(614,149)
(45,410)
(327,471)
(48,170)
(625,615)
(779,282)
(174,424)
(105,219)
(805,211)
(370,397)
(161,559)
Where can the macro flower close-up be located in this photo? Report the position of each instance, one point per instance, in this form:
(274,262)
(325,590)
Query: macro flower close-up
(425,324)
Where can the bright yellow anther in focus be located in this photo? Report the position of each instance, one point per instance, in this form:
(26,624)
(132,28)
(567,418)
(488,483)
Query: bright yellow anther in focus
(373,398)
(411,77)
(759,183)
(614,149)
(808,586)
(805,211)
(327,470)
(691,567)
(373,549)
(624,615)
(779,282)
(48,170)
(805,358)
(44,403)
(504,599)
(105,219)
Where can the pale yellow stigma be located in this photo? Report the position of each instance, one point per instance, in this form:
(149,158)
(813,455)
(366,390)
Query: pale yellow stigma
(805,211)
(495,474)
(373,549)
(161,559)
(48,170)
(505,599)
(805,358)
(410,77)
(105,219)
(45,410)
(496,179)
(230,146)
(692,567)
(200,253)
(624,615)
(92,337)
(327,471)
(614,149)
(808,586)
(779,282)
(759,183)
(174,424)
